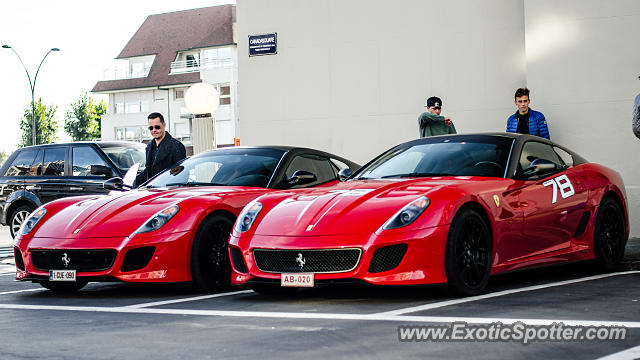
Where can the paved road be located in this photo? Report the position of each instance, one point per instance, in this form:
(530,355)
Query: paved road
(128,321)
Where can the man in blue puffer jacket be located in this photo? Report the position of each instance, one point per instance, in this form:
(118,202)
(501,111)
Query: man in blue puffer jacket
(526,120)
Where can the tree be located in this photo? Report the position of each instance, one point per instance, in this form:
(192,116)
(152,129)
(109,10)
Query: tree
(83,120)
(46,126)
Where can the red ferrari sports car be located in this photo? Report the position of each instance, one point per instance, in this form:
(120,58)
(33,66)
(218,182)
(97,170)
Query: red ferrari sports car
(445,209)
(173,228)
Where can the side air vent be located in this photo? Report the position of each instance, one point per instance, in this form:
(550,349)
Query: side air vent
(582,226)
(387,258)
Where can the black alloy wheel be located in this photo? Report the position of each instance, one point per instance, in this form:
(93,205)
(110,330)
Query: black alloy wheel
(18,216)
(609,238)
(468,254)
(210,265)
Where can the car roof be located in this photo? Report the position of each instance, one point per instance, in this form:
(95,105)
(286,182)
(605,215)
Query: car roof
(98,142)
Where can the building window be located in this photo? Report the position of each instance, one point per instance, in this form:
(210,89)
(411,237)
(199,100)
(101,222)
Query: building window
(225,94)
(179,93)
(119,108)
(218,57)
(193,60)
(132,133)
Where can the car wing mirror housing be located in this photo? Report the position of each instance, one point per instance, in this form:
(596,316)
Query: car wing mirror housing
(344,174)
(114,183)
(301,177)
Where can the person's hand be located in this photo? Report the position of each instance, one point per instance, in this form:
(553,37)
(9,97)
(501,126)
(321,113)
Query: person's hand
(448,121)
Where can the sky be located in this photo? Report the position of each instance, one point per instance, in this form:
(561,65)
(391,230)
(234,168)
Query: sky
(90,34)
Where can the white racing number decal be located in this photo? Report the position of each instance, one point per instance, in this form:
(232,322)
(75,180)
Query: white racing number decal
(354,192)
(563,183)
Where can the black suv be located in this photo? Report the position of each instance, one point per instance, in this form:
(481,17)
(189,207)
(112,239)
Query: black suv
(35,175)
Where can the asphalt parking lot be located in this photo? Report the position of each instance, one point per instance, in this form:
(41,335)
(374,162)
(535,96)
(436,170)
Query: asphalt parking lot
(129,321)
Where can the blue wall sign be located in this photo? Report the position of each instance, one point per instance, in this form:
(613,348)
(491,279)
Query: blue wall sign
(265,44)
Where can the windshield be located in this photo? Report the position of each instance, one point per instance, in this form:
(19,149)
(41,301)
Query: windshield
(125,155)
(485,156)
(239,167)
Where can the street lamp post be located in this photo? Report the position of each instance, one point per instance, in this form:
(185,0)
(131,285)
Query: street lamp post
(202,100)
(32,86)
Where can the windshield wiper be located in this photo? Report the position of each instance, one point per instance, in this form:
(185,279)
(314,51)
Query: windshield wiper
(410,175)
(195,183)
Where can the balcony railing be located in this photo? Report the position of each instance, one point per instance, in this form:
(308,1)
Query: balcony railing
(185,66)
(120,74)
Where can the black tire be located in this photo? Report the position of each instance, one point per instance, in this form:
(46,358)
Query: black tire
(18,216)
(468,254)
(64,286)
(609,238)
(272,289)
(210,266)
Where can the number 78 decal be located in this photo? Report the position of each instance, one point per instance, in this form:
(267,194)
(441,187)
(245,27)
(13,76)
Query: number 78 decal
(561,182)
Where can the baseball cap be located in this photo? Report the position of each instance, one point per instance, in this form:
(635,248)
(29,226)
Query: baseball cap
(434,101)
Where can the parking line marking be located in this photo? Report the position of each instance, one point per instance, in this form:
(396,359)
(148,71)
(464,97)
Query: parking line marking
(20,291)
(499,293)
(195,298)
(318,316)
(629,354)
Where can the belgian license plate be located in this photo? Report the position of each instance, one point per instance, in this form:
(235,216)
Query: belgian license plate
(62,275)
(296,280)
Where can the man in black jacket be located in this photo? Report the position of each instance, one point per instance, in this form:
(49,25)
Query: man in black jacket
(162,152)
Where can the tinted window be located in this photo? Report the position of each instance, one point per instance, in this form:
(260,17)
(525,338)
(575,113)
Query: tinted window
(83,158)
(567,158)
(318,165)
(534,150)
(459,156)
(22,163)
(246,167)
(125,155)
(54,161)
(36,167)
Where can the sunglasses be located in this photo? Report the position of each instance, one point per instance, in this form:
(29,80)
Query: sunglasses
(157,127)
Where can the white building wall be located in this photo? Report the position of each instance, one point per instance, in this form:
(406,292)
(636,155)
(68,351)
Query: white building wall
(351,77)
(582,68)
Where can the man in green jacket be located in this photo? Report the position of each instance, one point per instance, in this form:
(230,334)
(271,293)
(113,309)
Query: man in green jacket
(432,123)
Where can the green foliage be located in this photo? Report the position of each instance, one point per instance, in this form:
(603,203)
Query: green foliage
(46,126)
(3,156)
(83,120)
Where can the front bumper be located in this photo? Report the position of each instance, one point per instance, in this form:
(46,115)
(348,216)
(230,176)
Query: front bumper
(423,261)
(169,261)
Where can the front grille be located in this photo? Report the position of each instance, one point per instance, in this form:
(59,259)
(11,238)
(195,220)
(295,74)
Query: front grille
(303,261)
(136,259)
(387,258)
(238,261)
(17,255)
(80,260)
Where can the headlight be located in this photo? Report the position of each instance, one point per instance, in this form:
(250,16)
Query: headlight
(32,221)
(407,214)
(158,220)
(248,216)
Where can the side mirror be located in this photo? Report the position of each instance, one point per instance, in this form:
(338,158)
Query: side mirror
(101,170)
(538,167)
(344,174)
(300,177)
(114,183)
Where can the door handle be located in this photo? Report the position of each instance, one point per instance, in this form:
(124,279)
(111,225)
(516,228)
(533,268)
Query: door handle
(33,187)
(75,188)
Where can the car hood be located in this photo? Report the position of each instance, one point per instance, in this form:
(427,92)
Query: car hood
(352,207)
(116,215)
